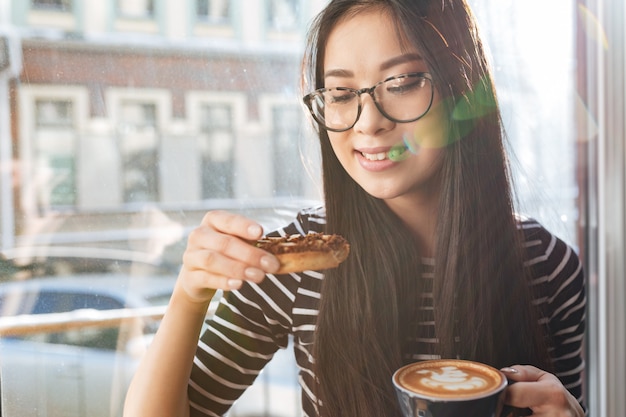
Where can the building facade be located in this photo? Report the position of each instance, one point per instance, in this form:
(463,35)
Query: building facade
(122,107)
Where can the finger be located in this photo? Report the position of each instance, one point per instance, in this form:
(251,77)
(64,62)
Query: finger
(509,411)
(217,265)
(544,399)
(207,241)
(527,373)
(200,286)
(533,387)
(233,224)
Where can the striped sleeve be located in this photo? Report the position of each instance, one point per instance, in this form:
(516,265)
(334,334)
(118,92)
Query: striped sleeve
(559,287)
(248,327)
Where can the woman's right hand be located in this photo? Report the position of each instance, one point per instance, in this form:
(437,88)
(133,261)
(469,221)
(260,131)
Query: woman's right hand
(219,256)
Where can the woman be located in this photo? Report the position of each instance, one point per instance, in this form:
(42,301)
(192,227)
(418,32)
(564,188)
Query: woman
(415,177)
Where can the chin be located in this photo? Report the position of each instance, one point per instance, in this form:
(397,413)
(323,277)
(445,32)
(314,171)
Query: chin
(385,194)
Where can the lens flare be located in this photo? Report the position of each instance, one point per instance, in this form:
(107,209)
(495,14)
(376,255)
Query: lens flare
(592,27)
(479,102)
(399,152)
(412,144)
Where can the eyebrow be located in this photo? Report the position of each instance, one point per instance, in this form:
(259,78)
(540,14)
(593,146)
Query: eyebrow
(401,59)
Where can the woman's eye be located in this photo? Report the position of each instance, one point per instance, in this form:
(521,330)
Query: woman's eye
(339,97)
(405,85)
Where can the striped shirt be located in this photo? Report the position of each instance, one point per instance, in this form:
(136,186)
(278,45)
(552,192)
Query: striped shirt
(252,323)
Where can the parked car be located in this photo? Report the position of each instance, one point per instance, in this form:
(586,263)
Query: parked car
(75,370)
(72,343)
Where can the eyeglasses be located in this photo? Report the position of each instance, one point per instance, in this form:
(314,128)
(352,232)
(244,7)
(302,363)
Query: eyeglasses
(402,99)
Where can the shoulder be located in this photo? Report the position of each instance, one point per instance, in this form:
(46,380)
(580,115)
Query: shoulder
(542,247)
(308,220)
(556,270)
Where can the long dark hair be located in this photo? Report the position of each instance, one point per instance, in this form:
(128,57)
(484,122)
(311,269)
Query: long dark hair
(481,292)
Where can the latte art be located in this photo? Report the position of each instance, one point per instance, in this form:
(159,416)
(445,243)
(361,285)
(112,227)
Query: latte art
(451,378)
(449,388)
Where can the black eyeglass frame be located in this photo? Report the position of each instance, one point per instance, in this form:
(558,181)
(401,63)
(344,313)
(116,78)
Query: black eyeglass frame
(308,99)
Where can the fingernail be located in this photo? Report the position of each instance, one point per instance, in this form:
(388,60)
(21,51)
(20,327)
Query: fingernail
(269,263)
(255,230)
(254,273)
(234,284)
(509,370)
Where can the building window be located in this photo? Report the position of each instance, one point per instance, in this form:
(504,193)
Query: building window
(217,144)
(135,9)
(54,113)
(55,153)
(286,132)
(139,143)
(53,5)
(283,15)
(215,12)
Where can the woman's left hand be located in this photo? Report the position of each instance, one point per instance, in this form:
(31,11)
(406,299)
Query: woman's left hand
(540,391)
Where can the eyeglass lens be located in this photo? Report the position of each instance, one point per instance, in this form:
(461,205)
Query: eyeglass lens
(404,98)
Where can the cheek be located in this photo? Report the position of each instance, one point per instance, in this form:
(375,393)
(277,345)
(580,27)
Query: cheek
(340,144)
(431,131)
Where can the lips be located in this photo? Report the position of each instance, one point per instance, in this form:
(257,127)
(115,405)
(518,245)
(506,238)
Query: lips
(375,156)
(375,159)
(395,153)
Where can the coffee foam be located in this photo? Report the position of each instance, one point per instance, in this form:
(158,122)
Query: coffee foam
(450,379)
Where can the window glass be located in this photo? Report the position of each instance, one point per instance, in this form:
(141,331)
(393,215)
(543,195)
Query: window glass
(138,142)
(534,69)
(125,131)
(213,11)
(57,5)
(135,8)
(120,131)
(55,153)
(287,122)
(217,144)
(99,338)
(284,14)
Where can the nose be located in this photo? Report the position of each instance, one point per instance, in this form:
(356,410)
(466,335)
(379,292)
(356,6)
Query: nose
(371,121)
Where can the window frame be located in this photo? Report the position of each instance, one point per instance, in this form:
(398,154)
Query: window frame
(602,129)
(269,104)
(161,99)
(29,95)
(238,104)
